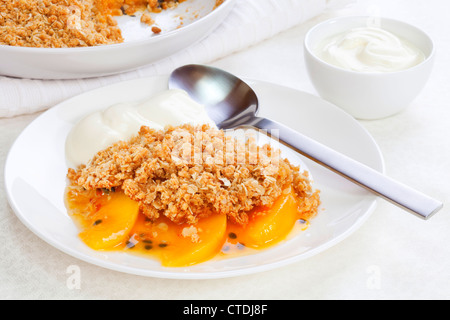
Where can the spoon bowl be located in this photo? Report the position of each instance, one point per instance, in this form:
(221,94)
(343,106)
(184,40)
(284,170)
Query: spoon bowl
(231,103)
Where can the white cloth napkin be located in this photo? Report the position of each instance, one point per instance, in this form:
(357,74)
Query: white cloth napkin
(250,22)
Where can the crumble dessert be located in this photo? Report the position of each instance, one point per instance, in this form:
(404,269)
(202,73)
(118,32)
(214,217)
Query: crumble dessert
(187,194)
(71,23)
(187,173)
(55,24)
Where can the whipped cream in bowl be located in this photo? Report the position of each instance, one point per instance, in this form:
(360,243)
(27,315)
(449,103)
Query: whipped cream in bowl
(369,49)
(372,71)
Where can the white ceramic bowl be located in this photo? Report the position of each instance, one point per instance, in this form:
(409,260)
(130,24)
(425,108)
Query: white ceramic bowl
(140,47)
(368,95)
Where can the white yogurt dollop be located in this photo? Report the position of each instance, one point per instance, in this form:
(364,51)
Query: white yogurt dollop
(369,49)
(103,128)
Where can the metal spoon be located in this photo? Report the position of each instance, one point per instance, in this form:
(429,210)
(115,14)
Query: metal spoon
(231,103)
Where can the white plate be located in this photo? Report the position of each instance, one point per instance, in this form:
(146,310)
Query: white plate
(141,47)
(35,173)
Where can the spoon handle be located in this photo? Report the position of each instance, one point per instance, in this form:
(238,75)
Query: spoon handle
(401,195)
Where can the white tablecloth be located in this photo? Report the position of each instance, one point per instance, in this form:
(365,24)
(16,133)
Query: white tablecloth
(394,255)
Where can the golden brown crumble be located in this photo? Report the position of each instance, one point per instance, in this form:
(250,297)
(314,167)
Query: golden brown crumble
(156,30)
(218,3)
(147,19)
(186,173)
(191,232)
(55,24)
(71,23)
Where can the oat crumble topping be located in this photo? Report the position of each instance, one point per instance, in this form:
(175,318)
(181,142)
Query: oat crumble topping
(71,23)
(55,24)
(162,170)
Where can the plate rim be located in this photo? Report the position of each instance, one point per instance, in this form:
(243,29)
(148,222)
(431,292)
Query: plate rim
(168,274)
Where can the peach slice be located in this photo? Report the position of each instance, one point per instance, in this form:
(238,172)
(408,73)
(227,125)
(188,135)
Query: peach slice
(111,224)
(208,240)
(267,226)
(179,245)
